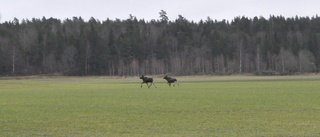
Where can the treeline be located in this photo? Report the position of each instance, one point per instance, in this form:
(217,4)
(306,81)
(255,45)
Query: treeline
(133,47)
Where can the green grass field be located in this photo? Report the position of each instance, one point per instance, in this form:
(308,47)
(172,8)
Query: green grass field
(201,106)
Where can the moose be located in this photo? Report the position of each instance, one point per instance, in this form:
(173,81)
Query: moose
(171,80)
(147,80)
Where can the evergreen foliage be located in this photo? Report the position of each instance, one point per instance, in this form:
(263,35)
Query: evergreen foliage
(133,47)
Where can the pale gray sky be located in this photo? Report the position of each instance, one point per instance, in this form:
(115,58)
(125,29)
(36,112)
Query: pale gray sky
(149,9)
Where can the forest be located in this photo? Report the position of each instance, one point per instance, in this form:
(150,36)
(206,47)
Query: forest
(131,47)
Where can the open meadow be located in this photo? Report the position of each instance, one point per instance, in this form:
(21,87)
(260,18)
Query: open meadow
(201,106)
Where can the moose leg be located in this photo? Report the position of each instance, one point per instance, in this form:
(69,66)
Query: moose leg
(154,85)
(148,85)
(141,84)
(178,84)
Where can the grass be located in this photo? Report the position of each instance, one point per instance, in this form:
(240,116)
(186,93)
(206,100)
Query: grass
(202,106)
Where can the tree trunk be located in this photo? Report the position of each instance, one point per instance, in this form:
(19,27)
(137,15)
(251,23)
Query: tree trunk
(258,59)
(300,64)
(225,64)
(13,61)
(282,62)
(240,58)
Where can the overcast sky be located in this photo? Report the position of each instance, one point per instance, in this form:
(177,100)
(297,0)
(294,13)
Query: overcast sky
(149,9)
